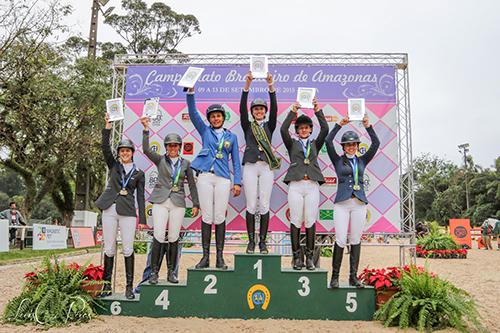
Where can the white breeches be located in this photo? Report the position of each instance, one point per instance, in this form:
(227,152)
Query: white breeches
(258,180)
(167,215)
(303,201)
(110,222)
(349,214)
(213,192)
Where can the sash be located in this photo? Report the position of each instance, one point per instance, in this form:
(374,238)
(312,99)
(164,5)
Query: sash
(264,145)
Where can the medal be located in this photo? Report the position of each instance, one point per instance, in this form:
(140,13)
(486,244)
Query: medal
(260,148)
(176,172)
(123,192)
(306,161)
(219,155)
(175,188)
(356,187)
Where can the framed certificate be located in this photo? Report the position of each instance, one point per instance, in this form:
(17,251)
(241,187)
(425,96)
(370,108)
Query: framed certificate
(305,97)
(259,66)
(356,108)
(190,77)
(114,108)
(151,108)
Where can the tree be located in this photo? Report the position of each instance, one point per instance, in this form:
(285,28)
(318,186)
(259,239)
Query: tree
(153,30)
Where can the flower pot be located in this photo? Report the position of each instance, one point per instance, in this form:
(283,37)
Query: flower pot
(92,289)
(383,295)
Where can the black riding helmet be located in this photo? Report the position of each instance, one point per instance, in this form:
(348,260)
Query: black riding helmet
(216,108)
(258,102)
(348,137)
(301,120)
(125,143)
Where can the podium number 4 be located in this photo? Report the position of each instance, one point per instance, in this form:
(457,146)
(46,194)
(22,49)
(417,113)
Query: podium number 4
(162,300)
(351,302)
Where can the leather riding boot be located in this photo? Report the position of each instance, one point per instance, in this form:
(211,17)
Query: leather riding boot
(250,219)
(310,241)
(295,239)
(338,253)
(108,274)
(129,275)
(155,261)
(264,226)
(206,235)
(173,250)
(353,265)
(220,235)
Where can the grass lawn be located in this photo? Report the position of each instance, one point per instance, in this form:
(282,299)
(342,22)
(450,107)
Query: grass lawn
(16,254)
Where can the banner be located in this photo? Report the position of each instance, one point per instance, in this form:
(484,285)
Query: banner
(82,237)
(49,237)
(223,84)
(460,231)
(4,235)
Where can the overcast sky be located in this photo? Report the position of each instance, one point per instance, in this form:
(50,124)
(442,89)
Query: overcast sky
(453,49)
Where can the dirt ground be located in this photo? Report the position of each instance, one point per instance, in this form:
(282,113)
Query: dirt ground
(478,274)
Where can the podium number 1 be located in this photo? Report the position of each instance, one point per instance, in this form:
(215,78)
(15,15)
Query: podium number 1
(258,267)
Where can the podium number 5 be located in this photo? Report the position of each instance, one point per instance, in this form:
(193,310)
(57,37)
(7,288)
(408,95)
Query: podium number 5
(351,302)
(210,290)
(305,286)
(258,267)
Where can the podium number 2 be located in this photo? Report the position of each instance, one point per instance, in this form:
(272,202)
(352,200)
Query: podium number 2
(305,286)
(258,267)
(210,290)
(351,302)
(162,300)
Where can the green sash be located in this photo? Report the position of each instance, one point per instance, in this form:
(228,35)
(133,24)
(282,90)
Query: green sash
(264,145)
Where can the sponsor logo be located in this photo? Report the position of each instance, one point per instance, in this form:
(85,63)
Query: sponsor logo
(287,214)
(155,146)
(258,295)
(157,121)
(228,116)
(363,147)
(460,232)
(185,116)
(330,180)
(326,214)
(323,150)
(149,210)
(188,148)
(153,179)
(331,119)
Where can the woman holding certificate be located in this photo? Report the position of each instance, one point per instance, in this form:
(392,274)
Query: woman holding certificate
(168,199)
(118,206)
(303,178)
(350,200)
(258,160)
(214,177)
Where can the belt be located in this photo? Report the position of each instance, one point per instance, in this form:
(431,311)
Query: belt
(198,172)
(306,177)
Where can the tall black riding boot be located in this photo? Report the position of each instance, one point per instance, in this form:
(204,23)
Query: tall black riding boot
(220,235)
(353,265)
(338,253)
(295,239)
(173,250)
(206,234)
(250,219)
(108,273)
(156,252)
(264,226)
(129,275)
(310,241)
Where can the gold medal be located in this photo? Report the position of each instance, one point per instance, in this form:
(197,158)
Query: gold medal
(306,161)
(219,155)
(123,192)
(175,188)
(260,148)
(356,187)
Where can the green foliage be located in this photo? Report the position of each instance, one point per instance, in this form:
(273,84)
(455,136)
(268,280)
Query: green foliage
(437,239)
(427,303)
(140,247)
(54,298)
(326,251)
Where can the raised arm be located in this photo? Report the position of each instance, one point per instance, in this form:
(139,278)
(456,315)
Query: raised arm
(330,148)
(105,145)
(245,123)
(273,109)
(368,156)
(323,125)
(285,134)
(146,149)
(192,186)
(141,199)
(194,114)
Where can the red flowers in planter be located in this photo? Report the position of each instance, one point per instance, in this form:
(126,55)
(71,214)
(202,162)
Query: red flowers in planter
(443,254)
(93,272)
(381,278)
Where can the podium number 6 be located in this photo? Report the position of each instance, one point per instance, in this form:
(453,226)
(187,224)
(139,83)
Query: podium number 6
(351,302)
(305,286)
(115,308)
(210,290)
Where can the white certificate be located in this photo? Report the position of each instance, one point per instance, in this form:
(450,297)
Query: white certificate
(114,108)
(356,108)
(189,78)
(151,108)
(305,97)
(259,66)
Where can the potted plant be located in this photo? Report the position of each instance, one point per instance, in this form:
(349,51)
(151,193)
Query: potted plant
(384,280)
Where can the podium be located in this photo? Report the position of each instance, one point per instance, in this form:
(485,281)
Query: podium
(256,287)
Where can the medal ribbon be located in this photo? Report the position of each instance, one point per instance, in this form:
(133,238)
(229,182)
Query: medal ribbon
(354,165)
(221,143)
(125,182)
(176,172)
(307,150)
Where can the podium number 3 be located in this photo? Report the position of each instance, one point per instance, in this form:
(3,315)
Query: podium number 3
(351,302)
(258,267)
(305,286)
(210,290)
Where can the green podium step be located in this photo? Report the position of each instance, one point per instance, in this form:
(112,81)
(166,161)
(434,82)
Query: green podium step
(257,287)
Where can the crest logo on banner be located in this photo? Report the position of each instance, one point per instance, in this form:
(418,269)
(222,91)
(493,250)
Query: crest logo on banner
(258,295)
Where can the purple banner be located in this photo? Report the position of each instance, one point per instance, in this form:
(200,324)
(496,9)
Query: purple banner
(333,82)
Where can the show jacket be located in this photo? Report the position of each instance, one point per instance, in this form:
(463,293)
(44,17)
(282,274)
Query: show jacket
(6,214)
(206,159)
(298,169)
(252,153)
(163,188)
(125,205)
(345,178)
